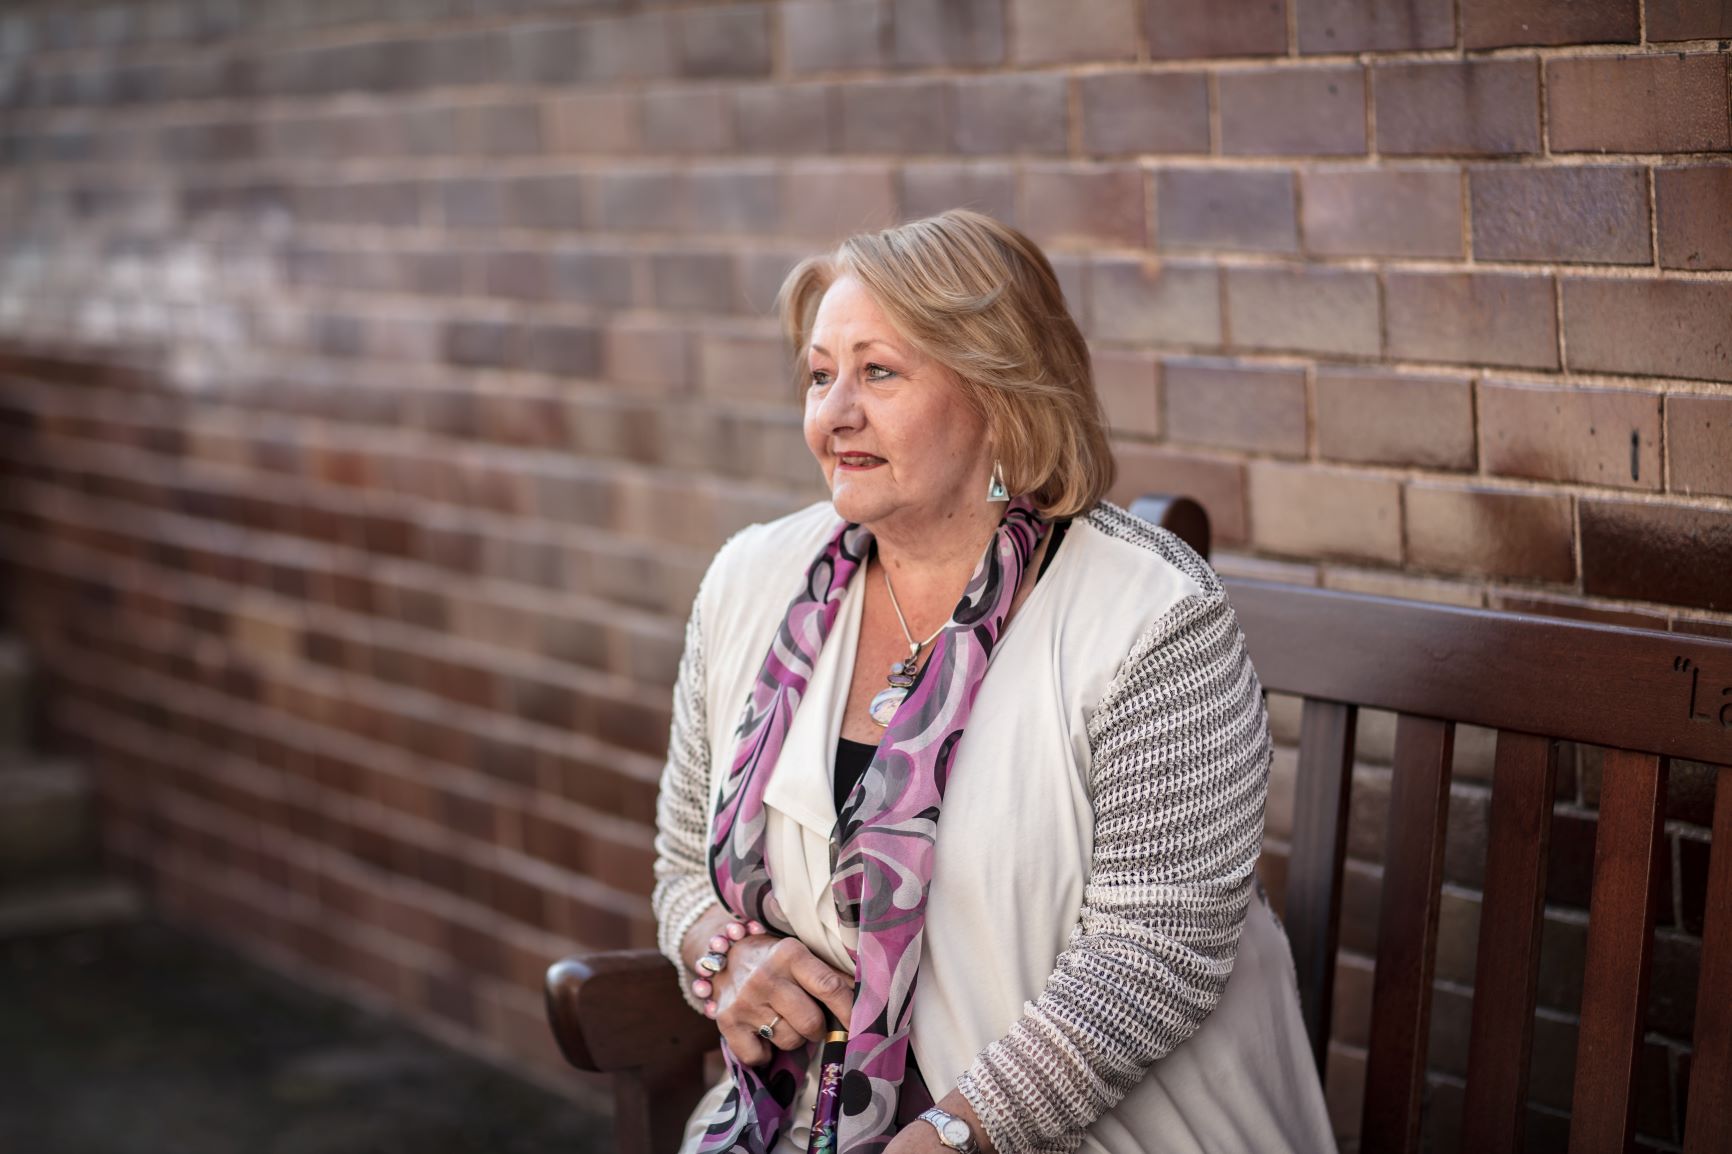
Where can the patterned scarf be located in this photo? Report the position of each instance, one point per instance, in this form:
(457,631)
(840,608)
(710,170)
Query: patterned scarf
(881,851)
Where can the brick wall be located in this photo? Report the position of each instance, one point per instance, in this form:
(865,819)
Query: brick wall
(381,374)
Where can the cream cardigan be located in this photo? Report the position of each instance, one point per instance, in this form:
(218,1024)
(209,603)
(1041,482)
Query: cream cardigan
(1099,969)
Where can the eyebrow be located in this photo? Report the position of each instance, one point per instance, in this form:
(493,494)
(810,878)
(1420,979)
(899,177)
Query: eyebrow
(858,345)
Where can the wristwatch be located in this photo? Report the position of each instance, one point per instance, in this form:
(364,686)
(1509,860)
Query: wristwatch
(952,1131)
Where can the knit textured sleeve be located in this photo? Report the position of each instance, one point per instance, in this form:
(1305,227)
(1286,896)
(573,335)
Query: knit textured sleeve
(682,879)
(1181,755)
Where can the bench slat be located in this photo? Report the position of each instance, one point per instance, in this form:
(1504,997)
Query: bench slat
(1312,905)
(1619,951)
(1407,933)
(1510,921)
(1708,1130)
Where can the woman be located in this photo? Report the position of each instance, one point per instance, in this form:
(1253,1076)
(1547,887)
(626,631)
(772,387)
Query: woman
(971,761)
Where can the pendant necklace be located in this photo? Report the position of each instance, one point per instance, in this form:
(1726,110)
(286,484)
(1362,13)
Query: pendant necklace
(901,679)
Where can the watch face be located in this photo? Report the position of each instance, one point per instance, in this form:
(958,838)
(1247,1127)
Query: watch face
(956,1132)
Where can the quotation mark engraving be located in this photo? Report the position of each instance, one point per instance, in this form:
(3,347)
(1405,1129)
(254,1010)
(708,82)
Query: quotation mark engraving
(1685,665)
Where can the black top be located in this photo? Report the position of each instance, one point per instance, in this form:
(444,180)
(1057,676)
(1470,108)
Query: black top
(852,757)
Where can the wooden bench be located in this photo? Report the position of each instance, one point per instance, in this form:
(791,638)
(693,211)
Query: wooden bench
(1646,696)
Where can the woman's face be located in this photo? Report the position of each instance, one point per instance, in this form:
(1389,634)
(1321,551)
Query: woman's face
(896,439)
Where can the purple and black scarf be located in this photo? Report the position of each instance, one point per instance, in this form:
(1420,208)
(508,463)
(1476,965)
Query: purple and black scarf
(882,849)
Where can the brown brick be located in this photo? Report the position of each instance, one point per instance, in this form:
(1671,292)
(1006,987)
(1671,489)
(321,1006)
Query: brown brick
(1310,512)
(1375,26)
(1668,103)
(946,33)
(831,35)
(1472,318)
(928,189)
(686,120)
(741,366)
(1179,29)
(1011,114)
(597,277)
(1448,107)
(1048,33)
(639,200)
(829,201)
(895,116)
(692,281)
(1693,210)
(1699,445)
(736,199)
(1688,20)
(1489,533)
(1375,417)
(1382,211)
(1219,208)
(1084,204)
(1314,310)
(1649,327)
(1677,555)
(1233,406)
(1592,436)
(1125,381)
(782,118)
(1126,112)
(1504,23)
(1560,214)
(646,353)
(731,40)
(1155,302)
(1218,485)
(1293,111)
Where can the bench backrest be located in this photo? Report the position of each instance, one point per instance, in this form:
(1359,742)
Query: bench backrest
(1646,696)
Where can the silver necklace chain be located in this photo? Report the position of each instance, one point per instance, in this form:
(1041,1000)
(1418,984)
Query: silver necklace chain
(914,647)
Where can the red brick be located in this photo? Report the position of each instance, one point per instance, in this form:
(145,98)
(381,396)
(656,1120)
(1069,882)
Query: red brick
(1293,111)
(1670,103)
(1313,310)
(736,199)
(1649,327)
(832,35)
(1449,107)
(1305,511)
(1011,114)
(1047,33)
(646,353)
(782,118)
(1218,485)
(1155,302)
(1219,208)
(1180,29)
(731,40)
(947,33)
(1591,436)
(1699,445)
(1688,20)
(1505,23)
(1253,407)
(928,189)
(829,201)
(1141,112)
(1084,204)
(1560,214)
(1472,318)
(1693,211)
(1125,381)
(693,281)
(1673,554)
(1382,211)
(686,120)
(1375,26)
(895,116)
(650,199)
(1375,417)
(1490,533)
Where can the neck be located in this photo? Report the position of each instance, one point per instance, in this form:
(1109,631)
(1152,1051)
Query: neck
(930,564)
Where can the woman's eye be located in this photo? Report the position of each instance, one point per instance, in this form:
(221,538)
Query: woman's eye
(820,377)
(879,373)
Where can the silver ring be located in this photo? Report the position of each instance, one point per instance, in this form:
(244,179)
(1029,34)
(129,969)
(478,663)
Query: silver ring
(768,1030)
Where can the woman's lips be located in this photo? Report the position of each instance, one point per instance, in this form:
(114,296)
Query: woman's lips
(857,461)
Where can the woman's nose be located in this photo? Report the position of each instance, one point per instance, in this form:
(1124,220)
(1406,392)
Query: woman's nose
(840,408)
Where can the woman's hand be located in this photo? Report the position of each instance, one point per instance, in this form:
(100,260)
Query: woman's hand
(770,979)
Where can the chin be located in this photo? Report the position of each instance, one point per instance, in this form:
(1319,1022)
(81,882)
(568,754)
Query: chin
(861,508)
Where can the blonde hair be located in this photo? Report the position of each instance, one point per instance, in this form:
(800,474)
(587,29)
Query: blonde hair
(980,298)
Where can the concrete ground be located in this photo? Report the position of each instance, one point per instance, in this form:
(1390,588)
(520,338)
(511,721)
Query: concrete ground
(137,1039)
